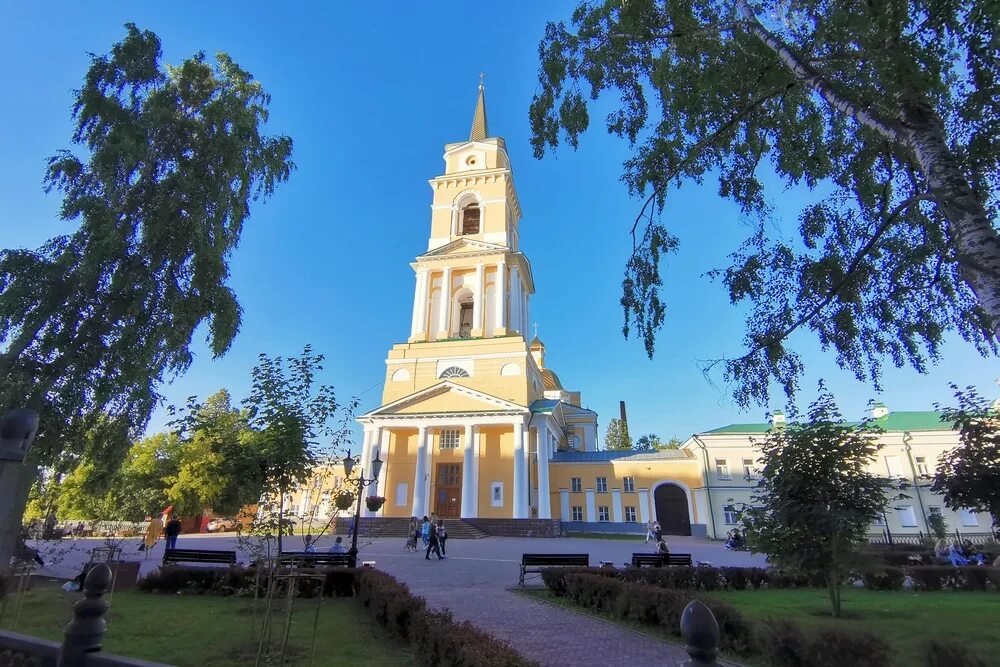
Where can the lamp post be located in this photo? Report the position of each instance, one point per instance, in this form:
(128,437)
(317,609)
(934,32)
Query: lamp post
(362,483)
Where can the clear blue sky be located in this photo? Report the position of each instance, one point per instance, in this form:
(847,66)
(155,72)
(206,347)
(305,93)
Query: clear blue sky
(370,92)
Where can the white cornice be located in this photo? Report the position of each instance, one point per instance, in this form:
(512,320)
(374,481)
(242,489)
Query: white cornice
(491,355)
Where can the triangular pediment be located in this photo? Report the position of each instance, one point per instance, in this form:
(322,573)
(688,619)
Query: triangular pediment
(464,247)
(443,398)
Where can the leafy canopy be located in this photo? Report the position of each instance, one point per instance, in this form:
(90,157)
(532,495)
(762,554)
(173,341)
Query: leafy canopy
(616,438)
(168,161)
(968,476)
(816,499)
(888,112)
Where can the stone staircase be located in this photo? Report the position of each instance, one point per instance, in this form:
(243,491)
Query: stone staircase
(372,527)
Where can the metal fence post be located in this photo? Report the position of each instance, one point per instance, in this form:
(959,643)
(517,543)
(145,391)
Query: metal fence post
(84,633)
(701,633)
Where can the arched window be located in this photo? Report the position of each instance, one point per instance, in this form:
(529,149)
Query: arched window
(454,372)
(470,219)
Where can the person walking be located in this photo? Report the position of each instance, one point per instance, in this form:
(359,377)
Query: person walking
(433,543)
(172,530)
(412,535)
(649,531)
(442,536)
(425,530)
(153,531)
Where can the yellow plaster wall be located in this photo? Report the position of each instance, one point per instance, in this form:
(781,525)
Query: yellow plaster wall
(400,466)
(491,188)
(496,464)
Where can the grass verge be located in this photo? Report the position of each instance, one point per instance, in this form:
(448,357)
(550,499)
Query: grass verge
(197,630)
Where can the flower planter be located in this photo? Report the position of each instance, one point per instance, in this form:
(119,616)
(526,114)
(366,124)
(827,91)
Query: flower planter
(374,503)
(344,501)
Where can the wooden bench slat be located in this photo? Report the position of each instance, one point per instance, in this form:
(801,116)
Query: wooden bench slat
(659,560)
(316,559)
(199,556)
(536,561)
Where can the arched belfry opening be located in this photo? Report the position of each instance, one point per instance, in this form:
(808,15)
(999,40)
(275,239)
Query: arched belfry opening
(471,218)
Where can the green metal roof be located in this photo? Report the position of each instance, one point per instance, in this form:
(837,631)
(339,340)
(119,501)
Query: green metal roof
(914,420)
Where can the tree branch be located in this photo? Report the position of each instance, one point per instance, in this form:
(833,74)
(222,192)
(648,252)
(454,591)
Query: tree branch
(851,268)
(701,145)
(811,77)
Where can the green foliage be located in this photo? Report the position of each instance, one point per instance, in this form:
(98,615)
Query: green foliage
(885,112)
(968,476)
(815,499)
(170,159)
(616,438)
(937,526)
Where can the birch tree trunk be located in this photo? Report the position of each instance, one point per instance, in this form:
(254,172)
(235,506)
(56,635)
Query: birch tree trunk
(976,239)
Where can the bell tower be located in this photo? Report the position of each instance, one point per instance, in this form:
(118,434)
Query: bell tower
(473,281)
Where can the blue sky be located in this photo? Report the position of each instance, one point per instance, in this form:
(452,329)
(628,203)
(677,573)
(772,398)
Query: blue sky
(370,93)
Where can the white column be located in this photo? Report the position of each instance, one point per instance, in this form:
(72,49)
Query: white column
(564,505)
(477,299)
(524,312)
(468,474)
(520,490)
(383,449)
(541,456)
(644,505)
(418,302)
(366,457)
(515,299)
(429,470)
(500,294)
(419,499)
(444,311)
(616,506)
(591,510)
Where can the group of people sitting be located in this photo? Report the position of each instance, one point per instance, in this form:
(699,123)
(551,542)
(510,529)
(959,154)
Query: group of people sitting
(735,540)
(431,532)
(956,553)
(655,533)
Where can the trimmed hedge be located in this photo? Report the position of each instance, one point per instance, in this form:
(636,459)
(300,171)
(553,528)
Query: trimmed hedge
(436,637)
(950,654)
(963,578)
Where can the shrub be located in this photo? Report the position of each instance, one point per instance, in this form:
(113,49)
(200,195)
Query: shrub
(785,644)
(932,577)
(554,577)
(950,654)
(782,642)
(886,579)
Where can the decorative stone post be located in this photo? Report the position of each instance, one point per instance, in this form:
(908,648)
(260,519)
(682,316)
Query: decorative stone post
(701,633)
(84,633)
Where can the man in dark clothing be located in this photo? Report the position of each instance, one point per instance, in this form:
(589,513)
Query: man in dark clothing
(172,530)
(434,544)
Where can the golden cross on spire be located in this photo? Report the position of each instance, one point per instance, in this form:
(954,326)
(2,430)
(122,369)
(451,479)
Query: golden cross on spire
(482,76)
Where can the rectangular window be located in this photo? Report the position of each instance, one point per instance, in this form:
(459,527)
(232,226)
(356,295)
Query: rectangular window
(922,469)
(722,469)
(729,515)
(630,514)
(969,518)
(603,514)
(602,484)
(576,484)
(907,517)
(893,466)
(450,438)
(577,513)
(748,471)
(402,489)
(628,484)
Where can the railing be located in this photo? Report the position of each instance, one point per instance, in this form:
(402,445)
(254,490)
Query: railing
(82,638)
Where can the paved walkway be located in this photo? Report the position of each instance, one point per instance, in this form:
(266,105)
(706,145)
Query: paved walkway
(474,584)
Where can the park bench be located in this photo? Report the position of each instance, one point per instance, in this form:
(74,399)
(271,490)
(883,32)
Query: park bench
(308,559)
(533,563)
(659,560)
(199,556)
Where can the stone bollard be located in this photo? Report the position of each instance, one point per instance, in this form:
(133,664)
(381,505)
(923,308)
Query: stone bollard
(84,633)
(701,633)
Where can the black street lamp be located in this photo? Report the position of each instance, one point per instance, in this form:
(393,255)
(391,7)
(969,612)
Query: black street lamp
(362,483)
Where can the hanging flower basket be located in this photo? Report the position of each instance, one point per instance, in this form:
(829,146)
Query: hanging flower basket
(374,503)
(344,500)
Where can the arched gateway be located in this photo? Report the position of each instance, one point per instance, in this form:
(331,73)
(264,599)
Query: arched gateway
(672,509)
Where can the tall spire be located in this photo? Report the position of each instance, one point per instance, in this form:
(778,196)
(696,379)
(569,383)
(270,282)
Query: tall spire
(479,130)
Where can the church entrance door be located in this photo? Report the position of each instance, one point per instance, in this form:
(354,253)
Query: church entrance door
(672,510)
(448,490)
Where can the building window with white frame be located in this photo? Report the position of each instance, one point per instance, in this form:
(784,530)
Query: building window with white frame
(907,517)
(722,469)
(572,442)
(630,514)
(628,484)
(602,484)
(575,484)
(748,469)
(969,518)
(603,514)
(922,469)
(450,438)
(729,515)
(576,513)
(894,467)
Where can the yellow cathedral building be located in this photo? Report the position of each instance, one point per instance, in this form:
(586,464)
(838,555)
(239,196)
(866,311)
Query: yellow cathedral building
(472,424)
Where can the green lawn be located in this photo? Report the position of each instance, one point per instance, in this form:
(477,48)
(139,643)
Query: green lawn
(903,618)
(204,629)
